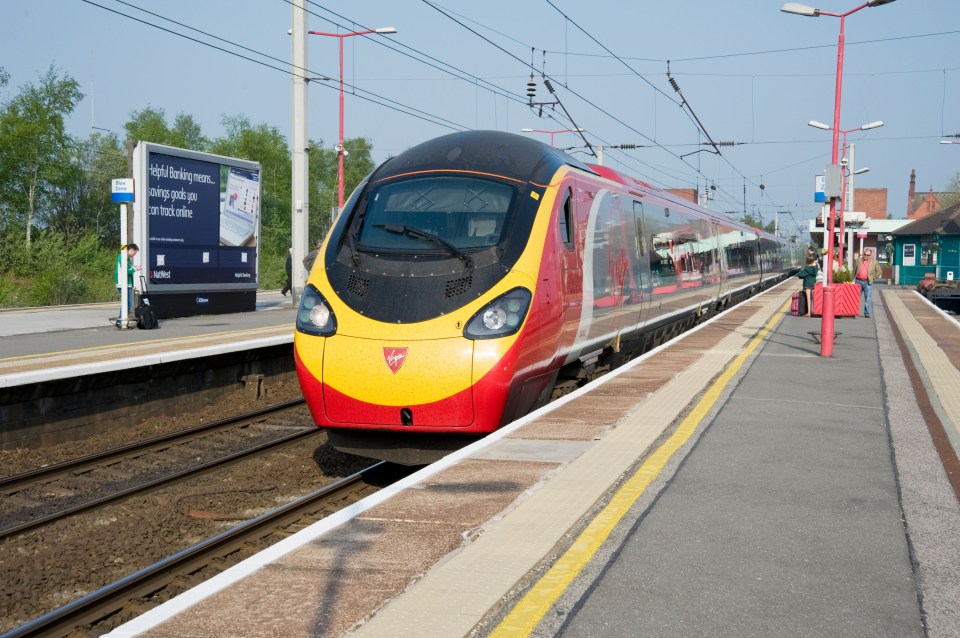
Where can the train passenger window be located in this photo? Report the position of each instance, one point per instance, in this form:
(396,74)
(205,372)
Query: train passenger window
(565,221)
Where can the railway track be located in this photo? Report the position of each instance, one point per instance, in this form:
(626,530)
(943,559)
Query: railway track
(46,495)
(134,594)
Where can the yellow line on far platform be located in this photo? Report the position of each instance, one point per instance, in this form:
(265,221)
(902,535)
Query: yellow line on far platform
(140,343)
(525,617)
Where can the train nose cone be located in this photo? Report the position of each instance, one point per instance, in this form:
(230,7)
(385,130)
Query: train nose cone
(369,381)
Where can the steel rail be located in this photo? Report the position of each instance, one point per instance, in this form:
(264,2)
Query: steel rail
(143,487)
(14,483)
(110,599)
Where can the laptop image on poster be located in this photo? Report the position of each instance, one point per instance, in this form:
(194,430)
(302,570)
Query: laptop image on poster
(238,216)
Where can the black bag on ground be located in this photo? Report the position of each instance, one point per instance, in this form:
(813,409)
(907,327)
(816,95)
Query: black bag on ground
(146,317)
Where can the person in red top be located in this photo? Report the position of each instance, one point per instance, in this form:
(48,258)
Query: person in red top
(867,270)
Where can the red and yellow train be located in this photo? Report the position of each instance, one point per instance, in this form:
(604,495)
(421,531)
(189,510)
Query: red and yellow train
(475,276)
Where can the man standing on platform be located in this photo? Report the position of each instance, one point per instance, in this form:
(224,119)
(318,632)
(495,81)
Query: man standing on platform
(118,278)
(867,271)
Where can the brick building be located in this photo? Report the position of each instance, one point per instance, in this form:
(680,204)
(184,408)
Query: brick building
(872,201)
(922,204)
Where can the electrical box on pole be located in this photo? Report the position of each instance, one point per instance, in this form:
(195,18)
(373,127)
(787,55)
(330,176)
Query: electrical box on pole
(833,181)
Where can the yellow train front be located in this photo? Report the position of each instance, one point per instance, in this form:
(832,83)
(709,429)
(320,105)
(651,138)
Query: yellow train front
(421,323)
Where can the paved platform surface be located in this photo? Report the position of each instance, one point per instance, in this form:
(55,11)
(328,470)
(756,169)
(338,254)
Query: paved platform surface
(47,343)
(732,484)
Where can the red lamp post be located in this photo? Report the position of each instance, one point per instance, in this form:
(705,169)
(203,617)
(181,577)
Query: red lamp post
(551,133)
(827,324)
(340,150)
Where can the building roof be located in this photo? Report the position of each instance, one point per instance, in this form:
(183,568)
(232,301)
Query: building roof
(942,222)
(919,198)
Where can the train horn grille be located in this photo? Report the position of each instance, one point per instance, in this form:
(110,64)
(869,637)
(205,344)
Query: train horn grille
(358,285)
(456,287)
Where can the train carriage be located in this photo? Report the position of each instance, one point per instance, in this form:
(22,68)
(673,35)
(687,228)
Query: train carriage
(475,276)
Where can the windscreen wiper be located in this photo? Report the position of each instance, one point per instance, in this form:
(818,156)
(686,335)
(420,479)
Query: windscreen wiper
(422,234)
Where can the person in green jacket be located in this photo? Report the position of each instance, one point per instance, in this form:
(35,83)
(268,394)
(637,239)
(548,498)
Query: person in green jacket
(132,250)
(809,275)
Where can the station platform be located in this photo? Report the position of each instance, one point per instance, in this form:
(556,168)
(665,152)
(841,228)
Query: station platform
(730,483)
(45,344)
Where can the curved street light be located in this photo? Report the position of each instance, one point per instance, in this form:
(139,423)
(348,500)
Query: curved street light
(827,326)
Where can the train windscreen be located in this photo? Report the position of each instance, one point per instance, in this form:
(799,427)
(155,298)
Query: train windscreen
(431,214)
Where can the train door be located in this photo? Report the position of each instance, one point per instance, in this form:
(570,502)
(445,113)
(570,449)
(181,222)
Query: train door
(643,285)
(570,251)
(719,258)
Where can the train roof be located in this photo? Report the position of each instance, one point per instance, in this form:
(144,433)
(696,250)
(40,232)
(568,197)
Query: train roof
(493,152)
(518,157)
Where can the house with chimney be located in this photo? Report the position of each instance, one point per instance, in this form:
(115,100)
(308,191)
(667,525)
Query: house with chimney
(922,204)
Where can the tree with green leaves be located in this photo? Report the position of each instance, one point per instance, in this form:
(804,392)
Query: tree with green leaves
(323,181)
(58,226)
(150,125)
(951,194)
(32,141)
(79,201)
(757,222)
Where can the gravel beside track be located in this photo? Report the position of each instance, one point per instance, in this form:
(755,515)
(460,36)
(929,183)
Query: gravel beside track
(45,569)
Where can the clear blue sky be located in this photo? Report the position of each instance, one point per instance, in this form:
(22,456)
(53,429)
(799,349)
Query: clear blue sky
(751,73)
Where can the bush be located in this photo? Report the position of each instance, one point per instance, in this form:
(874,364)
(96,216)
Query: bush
(50,272)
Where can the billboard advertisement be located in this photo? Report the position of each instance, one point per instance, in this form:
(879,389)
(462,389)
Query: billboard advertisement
(197,222)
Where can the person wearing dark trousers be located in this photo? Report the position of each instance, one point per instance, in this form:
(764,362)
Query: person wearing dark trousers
(289,268)
(132,250)
(867,270)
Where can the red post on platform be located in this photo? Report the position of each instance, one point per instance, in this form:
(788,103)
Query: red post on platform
(826,329)
(341,151)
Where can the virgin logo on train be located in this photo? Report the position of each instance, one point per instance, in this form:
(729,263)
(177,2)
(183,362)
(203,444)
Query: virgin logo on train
(394,358)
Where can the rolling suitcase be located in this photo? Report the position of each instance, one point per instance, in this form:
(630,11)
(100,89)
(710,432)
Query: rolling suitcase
(795,303)
(146,317)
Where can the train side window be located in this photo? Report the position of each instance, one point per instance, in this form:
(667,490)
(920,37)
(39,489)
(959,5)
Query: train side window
(565,221)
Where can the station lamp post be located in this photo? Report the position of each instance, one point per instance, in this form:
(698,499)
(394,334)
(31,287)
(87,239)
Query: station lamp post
(846,168)
(551,133)
(827,325)
(339,148)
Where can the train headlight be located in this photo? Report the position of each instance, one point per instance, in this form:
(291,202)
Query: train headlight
(501,317)
(315,316)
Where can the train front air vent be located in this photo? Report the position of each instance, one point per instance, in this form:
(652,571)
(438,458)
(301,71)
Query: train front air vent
(358,285)
(456,287)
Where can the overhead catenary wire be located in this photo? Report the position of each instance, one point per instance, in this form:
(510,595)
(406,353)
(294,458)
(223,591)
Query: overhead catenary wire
(420,57)
(720,56)
(547,76)
(369,97)
(688,111)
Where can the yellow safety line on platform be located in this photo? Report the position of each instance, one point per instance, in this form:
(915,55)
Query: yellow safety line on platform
(133,344)
(525,617)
